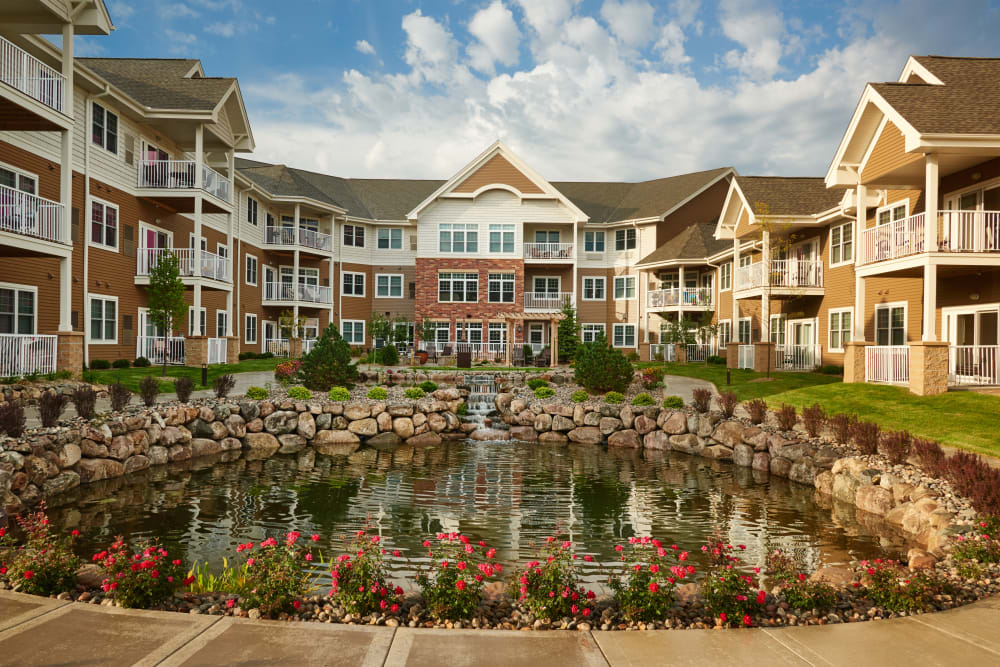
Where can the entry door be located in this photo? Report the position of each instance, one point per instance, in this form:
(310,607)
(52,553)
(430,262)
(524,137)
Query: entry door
(802,333)
(270,330)
(152,243)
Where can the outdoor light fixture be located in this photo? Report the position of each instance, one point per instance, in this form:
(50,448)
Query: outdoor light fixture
(204,375)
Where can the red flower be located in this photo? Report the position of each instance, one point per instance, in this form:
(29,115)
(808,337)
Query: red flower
(653,587)
(315,538)
(396,553)
(75,532)
(394,608)
(802,576)
(747,621)
(460,584)
(231,603)
(618,547)
(28,574)
(296,604)
(588,558)
(723,617)
(586,611)
(761,597)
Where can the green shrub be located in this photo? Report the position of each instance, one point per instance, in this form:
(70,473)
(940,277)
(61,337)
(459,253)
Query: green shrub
(716,359)
(633,356)
(462,410)
(643,399)
(601,368)
(328,364)
(971,553)
(378,393)
(897,589)
(579,396)
(536,383)
(340,394)
(452,582)
(545,392)
(278,573)
(361,579)
(644,588)
(675,402)
(428,386)
(414,392)
(389,355)
(46,565)
(800,592)
(154,581)
(553,570)
(141,362)
(100,364)
(120,363)
(728,593)
(613,397)
(300,393)
(257,393)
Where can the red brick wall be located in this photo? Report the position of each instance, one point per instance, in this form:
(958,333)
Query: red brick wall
(427,305)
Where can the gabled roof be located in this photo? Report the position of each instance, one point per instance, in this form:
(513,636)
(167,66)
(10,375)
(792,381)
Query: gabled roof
(162,83)
(695,242)
(787,196)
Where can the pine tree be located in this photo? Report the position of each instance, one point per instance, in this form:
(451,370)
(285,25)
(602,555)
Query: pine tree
(166,297)
(568,333)
(328,363)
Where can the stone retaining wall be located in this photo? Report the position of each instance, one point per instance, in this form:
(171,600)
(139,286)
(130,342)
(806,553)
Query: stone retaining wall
(48,462)
(913,509)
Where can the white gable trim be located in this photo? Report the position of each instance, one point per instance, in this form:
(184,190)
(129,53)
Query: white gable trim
(914,67)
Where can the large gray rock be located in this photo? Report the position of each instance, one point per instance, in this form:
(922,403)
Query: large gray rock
(562,424)
(626,438)
(336,443)
(845,488)
(685,442)
(249,409)
(355,411)
(824,483)
(204,447)
(94,470)
(179,453)
(121,447)
(707,422)
(282,421)
(291,443)
(400,409)
(61,483)
(627,417)
(743,455)
(780,466)
(306,426)
(543,422)
(200,428)
(403,427)
(69,455)
(803,471)
(157,455)
(589,435)
(874,500)
(366,427)
(656,440)
(231,444)
(137,463)
(673,422)
(594,419)
(728,433)
(264,443)
(761,462)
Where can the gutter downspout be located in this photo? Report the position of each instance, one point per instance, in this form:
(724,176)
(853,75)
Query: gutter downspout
(85,228)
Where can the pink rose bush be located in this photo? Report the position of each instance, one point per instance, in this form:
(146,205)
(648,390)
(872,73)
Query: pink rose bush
(550,587)
(800,592)
(732,596)
(893,586)
(45,563)
(140,577)
(453,580)
(973,552)
(650,572)
(360,581)
(276,574)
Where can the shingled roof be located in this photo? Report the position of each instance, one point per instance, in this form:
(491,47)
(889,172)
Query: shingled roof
(160,83)
(780,195)
(694,242)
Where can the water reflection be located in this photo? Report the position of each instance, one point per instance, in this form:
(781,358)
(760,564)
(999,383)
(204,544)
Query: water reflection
(507,494)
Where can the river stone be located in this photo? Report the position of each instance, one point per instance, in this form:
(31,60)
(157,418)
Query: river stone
(562,424)
(400,409)
(334,443)
(384,421)
(728,433)
(219,430)
(157,455)
(140,441)
(419,419)
(609,410)
(282,421)
(121,447)
(61,483)
(874,500)
(656,440)
(673,423)
(137,463)
(780,466)
(366,427)
(437,422)
(306,426)
(552,438)
(686,442)
(69,455)
(355,411)
(427,439)
(627,417)
(707,422)
(323,421)
(644,424)
(231,444)
(524,433)
(92,449)
(803,471)
(543,422)
(206,413)
(743,455)
(579,415)
(751,432)
(204,447)
(626,438)
(179,453)
(249,409)
(94,470)
(387,440)
(835,576)
(824,483)
(403,427)
(845,488)
(593,419)
(255,425)
(291,443)
(719,452)
(761,462)
(236,426)
(589,435)
(200,428)
(262,442)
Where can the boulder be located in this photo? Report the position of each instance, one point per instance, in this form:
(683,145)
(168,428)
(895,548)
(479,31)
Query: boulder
(387,440)
(137,463)
(552,438)
(588,435)
(707,422)
(685,442)
(366,427)
(718,452)
(200,428)
(402,426)
(673,422)
(140,441)
(839,577)
(780,466)
(255,425)
(803,471)
(94,470)
(845,488)
(92,449)
(280,422)
(627,417)
(400,409)
(743,455)
(824,483)
(627,438)
(157,455)
(336,443)
(291,443)
(491,434)
(179,453)
(69,455)
(204,447)
(562,424)
(728,433)
(121,447)
(306,426)
(61,483)
(264,443)
(579,414)
(249,409)
(543,422)
(593,419)
(918,559)
(384,421)
(355,411)
(761,462)
(524,433)
(644,424)
(427,439)
(656,440)
(231,444)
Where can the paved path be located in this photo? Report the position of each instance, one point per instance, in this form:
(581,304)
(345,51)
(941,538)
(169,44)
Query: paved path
(680,385)
(40,631)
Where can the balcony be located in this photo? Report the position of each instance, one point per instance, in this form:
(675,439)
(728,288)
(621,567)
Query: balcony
(786,276)
(308,238)
(28,215)
(957,232)
(160,350)
(286,292)
(22,71)
(26,354)
(973,365)
(547,252)
(546,301)
(797,357)
(695,298)
(212,266)
(176,175)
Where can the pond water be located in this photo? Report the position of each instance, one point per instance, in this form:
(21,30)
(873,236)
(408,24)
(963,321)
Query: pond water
(510,495)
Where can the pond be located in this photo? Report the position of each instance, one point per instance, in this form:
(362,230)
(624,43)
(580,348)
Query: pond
(510,495)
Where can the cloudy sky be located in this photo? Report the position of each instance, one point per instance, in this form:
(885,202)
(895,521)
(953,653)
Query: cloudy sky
(581,89)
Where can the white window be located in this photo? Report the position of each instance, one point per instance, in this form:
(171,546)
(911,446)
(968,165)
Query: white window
(890,324)
(354,236)
(353,283)
(842,244)
(353,331)
(726,277)
(778,325)
(550,285)
(105,129)
(501,238)
(624,287)
(17,309)
(498,334)
(221,320)
(390,239)
(745,332)
(104,224)
(18,179)
(892,212)
(103,319)
(201,329)
(250,329)
(251,272)
(725,333)
(593,241)
(460,238)
(389,285)
(222,250)
(593,288)
(590,332)
(624,335)
(454,287)
(469,332)
(501,288)
(841,321)
(252,211)
(625,239)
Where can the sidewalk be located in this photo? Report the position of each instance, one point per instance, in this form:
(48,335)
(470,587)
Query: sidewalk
(41,631)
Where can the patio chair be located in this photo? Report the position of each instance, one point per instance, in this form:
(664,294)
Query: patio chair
(518,359)
(543,358)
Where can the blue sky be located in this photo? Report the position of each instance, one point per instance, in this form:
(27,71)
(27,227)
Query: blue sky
(582,89)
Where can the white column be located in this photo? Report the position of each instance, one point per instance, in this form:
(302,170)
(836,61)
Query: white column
(196,314)
(680,284)
(765,300)
(736,262)
(931,202)
(66,294)
(860,220)
(930,301)
(229,313)
(199,146)
(858,318)
(66,186)
(67,68)
(231,173)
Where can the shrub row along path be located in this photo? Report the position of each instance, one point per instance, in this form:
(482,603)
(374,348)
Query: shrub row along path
(42,631)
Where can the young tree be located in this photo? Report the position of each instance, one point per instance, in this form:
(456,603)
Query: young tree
(290,325)
(328,364)
(165,293)
(380,328)
(568,332)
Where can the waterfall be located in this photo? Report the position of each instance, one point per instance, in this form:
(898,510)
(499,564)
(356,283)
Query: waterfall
(482,393)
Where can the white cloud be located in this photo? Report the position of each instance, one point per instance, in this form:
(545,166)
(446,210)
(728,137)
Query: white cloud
(631,21)
(180,43)
(685,11)
(120,12)
(86,47)
(221,29)
(758,26)
(546,16)
(670,45)
(431,50)
(498,38)
(176,10)
(362,46)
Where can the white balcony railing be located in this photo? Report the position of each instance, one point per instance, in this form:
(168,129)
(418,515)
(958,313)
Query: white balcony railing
(217,350)
(745,357)
(276,346)
(27,214)
(21,70)
(309,238)
(546,301)
(698,352)
(662,351)
(282,291)
(797,357)
(889,364)
(973,365)
(24,354)
(555,251)
(676,297)
(899,238)
(155,348)
(212,266)
(784,273)
(180,175)
(969,231)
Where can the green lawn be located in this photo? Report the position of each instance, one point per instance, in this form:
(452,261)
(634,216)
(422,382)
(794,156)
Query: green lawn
(130,377)
(746,384)
(961,419)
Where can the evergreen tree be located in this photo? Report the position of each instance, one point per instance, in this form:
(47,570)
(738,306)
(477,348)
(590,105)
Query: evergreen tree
(568,332)
(600,367)
(165,293)
(328,364)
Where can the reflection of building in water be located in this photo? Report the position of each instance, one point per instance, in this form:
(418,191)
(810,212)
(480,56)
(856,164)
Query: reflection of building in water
(641,509)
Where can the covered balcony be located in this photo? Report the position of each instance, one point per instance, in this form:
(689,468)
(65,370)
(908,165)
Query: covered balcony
(169,177)
(287,292)
(546,301)
(956,231)
(549,252)
(211,265)
(29,75)
(310,239)
(25,214)
(793,277)
(699,298)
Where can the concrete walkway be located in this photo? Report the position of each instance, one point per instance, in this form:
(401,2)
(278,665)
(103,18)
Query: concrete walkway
(41,631)
(680,385)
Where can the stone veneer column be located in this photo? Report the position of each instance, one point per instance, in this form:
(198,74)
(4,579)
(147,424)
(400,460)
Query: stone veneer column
(854,360)
(928,367)
(232,349)
(761,357)
(294,348)
(69,352)
(196,351)
(680,353)
(732,355)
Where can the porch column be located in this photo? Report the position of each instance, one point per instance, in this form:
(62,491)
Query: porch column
(230,223)
(331,265)
(858,318)
(736,263)
(680,283)
(295,271)
(931,203)
(195,326)
(229,313)
(66,185)
(199,147)
(930,302)
(553,343)
(860,220)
